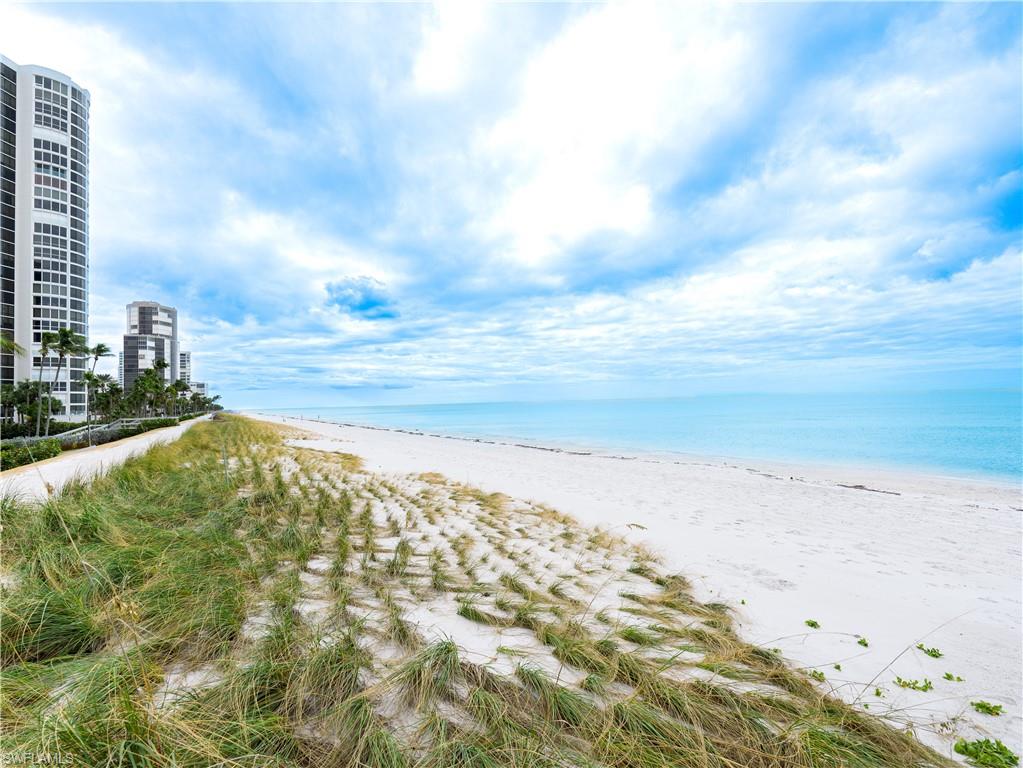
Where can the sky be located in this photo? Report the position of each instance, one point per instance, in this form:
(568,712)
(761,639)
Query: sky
(410,203)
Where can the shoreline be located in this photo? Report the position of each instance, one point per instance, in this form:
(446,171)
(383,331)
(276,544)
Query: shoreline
(777,467)
(897,558)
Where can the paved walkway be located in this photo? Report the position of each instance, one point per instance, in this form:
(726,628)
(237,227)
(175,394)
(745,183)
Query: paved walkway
(36,481)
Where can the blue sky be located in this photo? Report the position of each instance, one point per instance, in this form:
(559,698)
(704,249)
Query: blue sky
(428,203)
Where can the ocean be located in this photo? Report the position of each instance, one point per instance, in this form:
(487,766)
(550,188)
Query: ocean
(962,433)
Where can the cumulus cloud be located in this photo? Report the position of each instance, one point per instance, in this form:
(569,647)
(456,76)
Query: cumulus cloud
(609,113)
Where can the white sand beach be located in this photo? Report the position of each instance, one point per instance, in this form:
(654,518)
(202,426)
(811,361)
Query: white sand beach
(894,558)
(37,481)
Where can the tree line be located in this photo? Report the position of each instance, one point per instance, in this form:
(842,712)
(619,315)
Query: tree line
(149,395)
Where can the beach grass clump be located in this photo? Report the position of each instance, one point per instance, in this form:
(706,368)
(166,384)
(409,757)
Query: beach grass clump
(560,705)
(429,674)
(400,561)
(40,622)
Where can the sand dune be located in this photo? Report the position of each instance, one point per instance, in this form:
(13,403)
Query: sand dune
(894,559)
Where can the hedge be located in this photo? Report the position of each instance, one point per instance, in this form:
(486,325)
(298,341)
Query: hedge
(9,429)
(16,455)
(107,436)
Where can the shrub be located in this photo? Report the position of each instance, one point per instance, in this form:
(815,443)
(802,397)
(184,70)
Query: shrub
(145,426)
(169,421)
(101,437)
(9,429)
(15,455)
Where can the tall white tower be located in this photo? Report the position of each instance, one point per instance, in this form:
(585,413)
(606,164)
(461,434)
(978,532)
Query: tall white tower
(44,223)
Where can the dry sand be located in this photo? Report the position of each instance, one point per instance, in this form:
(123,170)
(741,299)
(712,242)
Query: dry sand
(893,557)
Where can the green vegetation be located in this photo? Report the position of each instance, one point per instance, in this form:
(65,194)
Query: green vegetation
(952,678)
(863,641)
(914,685)
(987,708)
(230,600)
(987,754)
(812,624)
(29,403)
(9,429)
(14,455)
(934,653)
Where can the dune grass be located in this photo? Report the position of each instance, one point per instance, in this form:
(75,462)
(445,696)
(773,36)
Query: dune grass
(230,600)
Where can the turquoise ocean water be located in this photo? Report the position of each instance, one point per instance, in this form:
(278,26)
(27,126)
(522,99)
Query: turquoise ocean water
(965,433)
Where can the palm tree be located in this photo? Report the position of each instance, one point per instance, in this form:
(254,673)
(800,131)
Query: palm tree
(148,387)
(46,340)
(96,352)
(159,392)
(180,388)
(23,397)
(91,383)
(9,346)
(68,343)
(107,394)
(100,350)
(170,396)
(136,396)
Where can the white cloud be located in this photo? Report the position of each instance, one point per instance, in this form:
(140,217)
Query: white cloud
(272,252)
(891,154)
(157,126)
(610,112)
(451,33)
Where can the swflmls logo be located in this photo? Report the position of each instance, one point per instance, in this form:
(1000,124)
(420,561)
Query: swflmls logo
(35,758)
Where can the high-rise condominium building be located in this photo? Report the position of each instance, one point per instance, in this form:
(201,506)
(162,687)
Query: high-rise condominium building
(185,367)
(44,223)
(152,335)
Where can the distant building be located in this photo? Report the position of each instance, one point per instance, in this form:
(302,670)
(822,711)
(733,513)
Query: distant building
(152,335)
(185,367)
(199,387)
(44,223)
